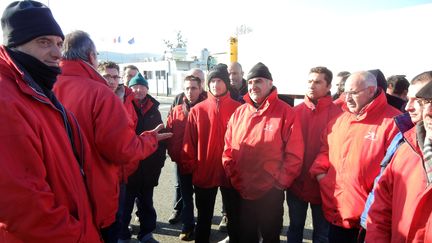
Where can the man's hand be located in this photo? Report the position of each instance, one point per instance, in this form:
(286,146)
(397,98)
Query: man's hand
(320,176)
(161,136)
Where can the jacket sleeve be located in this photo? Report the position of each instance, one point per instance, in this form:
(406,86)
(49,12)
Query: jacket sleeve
(293,153)
(171,146)
(115,138)
(189,154)
(29,209)
(227,160)
(321,163)
(380,212)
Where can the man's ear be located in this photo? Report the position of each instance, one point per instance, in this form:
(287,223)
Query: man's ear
(93,59)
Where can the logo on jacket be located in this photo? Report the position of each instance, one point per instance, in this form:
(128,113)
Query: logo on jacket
(371,136)
(268,127)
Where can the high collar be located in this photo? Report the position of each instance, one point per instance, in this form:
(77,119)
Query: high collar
(403,122)
(415,137)
(322,103)
(266,103)
(222,98)
(82,69)
(25,83)
(373,109)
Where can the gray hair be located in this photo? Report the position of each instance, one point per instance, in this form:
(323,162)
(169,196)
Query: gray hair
(370,79)
(367,78)
(78,45)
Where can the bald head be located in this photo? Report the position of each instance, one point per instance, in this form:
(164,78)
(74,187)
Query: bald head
(360,89)
(196,72)
(236,75)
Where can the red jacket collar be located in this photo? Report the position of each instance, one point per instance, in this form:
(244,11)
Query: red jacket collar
(144,107)
(411,138)
(213,98)
(374,108)
(323,102)
(269,99)
(24,82)
(80,68)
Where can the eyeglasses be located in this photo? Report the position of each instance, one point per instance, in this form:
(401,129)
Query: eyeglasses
(424,102)
(109,76)
(354,93)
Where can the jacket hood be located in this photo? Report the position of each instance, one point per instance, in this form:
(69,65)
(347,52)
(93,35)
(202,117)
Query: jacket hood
(374,108)
(82,69)
(273,95)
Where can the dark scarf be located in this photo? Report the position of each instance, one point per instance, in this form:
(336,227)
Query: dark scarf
(45,76)
(186,106)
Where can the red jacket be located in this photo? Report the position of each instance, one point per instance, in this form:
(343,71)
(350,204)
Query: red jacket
(263,147)
(112,139)
(353,147)
(420,229)
(128,169)
(204,141)
(397,194)
(128,98)
(176,123)
(340,102)
(43,195)
(313,119)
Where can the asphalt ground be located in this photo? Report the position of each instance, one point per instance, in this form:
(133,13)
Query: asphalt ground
(164,197)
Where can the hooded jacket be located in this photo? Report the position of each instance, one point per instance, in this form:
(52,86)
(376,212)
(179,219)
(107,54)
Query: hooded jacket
(204,141)
(313,119)
(400,189)
(112,139)
(263,147)
(43,195)
(353,147)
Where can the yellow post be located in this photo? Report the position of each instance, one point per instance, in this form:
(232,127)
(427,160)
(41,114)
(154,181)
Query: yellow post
(233,49)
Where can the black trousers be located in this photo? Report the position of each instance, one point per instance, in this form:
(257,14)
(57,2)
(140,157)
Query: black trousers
(231,200)
(204,201)
(341,235)
(262,218)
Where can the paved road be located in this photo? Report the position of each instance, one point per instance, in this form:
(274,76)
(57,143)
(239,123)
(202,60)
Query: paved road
(163,200)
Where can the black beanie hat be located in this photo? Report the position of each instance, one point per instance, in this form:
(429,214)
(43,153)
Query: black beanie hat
(219,71)
(380,78)
(22,21)
(259,70)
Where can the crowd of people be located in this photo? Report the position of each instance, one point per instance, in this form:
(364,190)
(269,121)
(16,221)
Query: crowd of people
(82,142)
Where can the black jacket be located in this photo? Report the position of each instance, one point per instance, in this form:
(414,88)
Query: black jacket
(149,169)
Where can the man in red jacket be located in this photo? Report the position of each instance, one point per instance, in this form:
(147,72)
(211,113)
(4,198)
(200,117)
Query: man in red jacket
(43,195)
(404,180)
(353,146)
(314,114)
(203,147)
(105,123)
(263,155)
(176,124)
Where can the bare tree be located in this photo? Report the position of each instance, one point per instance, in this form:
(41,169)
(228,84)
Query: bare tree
(243,30)
(179,42)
